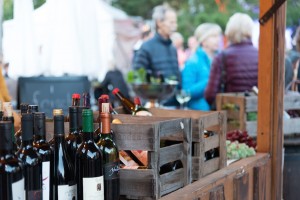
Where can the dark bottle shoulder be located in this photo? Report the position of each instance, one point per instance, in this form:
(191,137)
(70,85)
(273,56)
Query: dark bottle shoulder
(89,150)
(28,155)
(10,164)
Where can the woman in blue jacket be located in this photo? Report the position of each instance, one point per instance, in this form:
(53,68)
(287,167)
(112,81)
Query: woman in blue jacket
(195,74)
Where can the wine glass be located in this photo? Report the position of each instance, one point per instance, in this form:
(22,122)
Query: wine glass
(183,97)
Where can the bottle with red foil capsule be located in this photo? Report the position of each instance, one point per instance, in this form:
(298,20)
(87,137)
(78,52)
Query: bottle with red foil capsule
(111,161)
(102,99)
(75,99)
(139,110)
(31,160)
(128,105)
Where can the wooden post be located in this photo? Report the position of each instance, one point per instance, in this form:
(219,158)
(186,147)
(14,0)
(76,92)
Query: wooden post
(271,88)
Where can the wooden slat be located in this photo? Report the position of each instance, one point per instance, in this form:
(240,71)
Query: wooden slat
(171,181)
(170,154)
(217,193)
(241,187)
(210,166)
(271,84)
(259,182)
(201,188)
(211,142)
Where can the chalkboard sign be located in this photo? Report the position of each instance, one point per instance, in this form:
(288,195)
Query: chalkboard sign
(51,92)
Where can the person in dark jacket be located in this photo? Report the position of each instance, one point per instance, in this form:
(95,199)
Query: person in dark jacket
(158,55)
(236,68)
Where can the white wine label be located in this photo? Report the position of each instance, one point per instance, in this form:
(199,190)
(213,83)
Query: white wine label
(67,192)
(93,188)
(46,180)
(143,113)
(18,191)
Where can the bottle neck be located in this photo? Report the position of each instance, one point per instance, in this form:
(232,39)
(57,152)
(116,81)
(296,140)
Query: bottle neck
(39,137)
(59,138)
(86,136)
(26,143)
(105,123)
(4,152)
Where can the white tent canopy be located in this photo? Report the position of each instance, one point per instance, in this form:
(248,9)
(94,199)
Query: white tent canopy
(69,36)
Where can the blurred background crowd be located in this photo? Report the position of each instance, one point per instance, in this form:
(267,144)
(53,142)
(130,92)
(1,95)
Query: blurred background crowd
(209,46)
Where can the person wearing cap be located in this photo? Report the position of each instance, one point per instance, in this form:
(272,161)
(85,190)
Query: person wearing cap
(236,68)
(197,68)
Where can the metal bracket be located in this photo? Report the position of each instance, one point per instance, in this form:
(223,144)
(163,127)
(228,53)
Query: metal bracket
(270,12)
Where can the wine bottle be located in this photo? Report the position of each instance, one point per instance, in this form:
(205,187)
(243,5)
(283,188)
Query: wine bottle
(54,113)
(86,100)
(75,99)
(18,134)
(11,171)
(110,154)
(44,149)
(73,139)
(128,105)
(8,116)
(33,108)
(102,99)
(89,170)
(139,110)
(1,110)
(64,182)
(32,161)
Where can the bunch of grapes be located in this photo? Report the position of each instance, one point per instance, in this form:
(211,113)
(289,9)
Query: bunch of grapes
(236,150)
(241,137)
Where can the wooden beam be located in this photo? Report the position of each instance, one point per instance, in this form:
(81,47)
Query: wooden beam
(270,101)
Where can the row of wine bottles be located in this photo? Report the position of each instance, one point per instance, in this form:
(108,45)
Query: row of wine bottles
(72,167)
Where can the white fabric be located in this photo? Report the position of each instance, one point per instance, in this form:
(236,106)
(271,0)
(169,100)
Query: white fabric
(71,36)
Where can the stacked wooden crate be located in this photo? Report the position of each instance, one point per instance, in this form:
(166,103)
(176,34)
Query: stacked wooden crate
(211,121)
(238,106)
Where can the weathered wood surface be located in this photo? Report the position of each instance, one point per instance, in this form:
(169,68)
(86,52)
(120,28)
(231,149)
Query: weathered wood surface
(271,92)
(201,120)
(225,177)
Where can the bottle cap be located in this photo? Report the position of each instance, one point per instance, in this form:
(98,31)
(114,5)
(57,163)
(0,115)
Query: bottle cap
(59,127)
(33,109)
(57,112)
(87,120)
(39,123)
(137,101)
(75,96)
(6,136)
(73,109)
(7,109)
(104,96)
(27,126)
(73,117)
(24,107)
(115,91)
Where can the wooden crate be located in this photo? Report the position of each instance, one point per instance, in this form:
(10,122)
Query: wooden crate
(145,133)
(212,121)
(237,117)
(245,179)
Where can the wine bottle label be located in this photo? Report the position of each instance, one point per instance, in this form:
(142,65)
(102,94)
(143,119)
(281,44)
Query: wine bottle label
(67,192)
(35,194)
(93,188)
(111,170)
(143,113)
(46,180)
(18,191)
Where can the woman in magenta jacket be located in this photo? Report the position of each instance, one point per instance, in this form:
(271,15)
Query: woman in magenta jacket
(239,61)
(196,71)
